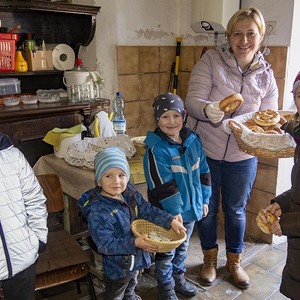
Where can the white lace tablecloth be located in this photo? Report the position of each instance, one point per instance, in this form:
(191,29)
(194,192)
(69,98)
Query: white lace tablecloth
(81,154)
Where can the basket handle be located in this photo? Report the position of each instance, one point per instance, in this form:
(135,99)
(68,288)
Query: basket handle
(235,126)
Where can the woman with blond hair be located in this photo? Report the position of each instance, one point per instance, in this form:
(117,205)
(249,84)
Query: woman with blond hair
(237,66)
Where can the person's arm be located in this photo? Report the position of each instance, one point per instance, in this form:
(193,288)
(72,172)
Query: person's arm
(103,232)
(205,177)
(270,100)
(161,182)
(200,85)
(290,218)
(34,200)
(290,224)
(151,213)
(284,201)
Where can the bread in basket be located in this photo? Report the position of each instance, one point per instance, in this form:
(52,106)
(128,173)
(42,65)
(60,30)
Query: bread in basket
(259,144)
(139,145)
(140,227)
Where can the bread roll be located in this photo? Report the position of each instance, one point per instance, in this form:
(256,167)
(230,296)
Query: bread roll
(250,122)
(231,103)
(271,132)
(275,127)
(266,117)
(256,128)
(264,221)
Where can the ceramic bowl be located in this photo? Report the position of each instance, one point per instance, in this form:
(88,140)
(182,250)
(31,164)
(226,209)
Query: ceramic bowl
(11,101)
(29,99)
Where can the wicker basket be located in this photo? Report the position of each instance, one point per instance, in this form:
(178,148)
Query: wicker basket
(140,227)
(259,152)
(139,145)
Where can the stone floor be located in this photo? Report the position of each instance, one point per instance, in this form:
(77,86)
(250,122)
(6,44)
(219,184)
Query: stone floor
(263,263)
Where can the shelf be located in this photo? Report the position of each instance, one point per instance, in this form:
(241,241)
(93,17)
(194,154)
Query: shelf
(31,73)
(23,112)
(32,81)
(53,22)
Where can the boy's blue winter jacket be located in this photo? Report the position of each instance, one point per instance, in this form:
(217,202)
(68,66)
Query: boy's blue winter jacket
(178,175)
(109,223)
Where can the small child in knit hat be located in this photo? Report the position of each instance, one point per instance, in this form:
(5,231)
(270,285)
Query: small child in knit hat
(111,163)
(179,182)
(286,207)
(110,208)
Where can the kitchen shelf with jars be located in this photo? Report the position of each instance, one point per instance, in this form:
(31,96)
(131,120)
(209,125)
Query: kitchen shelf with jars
(54,23)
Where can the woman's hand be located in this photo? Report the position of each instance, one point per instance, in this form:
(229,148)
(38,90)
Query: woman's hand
(205,210)
(213,112)
(141,243)
(177,226)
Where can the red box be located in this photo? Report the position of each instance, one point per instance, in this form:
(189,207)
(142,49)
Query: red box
(7,51)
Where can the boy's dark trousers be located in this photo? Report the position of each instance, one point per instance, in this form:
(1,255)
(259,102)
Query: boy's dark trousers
(21,286)
(121,289)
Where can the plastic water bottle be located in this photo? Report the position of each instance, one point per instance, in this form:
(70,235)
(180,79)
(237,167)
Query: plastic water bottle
(119,120)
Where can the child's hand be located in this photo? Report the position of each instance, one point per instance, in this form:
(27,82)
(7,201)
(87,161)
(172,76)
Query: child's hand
(142,244)
(177,226)
(276,228)
(179,218)
(205,210)
(274,209)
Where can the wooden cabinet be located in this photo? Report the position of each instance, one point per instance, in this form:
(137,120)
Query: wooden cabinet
(55,23)
(27,125)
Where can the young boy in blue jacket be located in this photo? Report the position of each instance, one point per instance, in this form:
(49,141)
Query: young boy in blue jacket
(110,208)
(179,182)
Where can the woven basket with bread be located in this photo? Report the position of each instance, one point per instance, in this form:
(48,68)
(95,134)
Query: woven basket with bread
(259,133)
(139,145)
(165,240)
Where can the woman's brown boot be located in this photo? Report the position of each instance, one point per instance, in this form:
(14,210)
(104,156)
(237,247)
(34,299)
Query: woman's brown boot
(209,268)
(239,275)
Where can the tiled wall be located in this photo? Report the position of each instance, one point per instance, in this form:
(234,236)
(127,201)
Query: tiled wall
(144,73)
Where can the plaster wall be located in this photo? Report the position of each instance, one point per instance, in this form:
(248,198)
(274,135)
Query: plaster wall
(159,22)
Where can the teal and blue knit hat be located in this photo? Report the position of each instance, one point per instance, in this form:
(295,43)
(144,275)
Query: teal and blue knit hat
(111,157)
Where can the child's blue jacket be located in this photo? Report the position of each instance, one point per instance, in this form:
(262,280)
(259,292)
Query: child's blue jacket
(109,223)
(178,175)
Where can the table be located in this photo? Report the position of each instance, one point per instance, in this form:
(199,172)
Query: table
(75,181)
